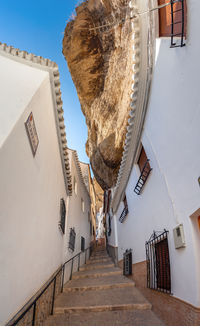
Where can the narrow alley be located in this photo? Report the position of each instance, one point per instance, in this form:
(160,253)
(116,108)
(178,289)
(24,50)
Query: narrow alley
(99,294)
(99,163)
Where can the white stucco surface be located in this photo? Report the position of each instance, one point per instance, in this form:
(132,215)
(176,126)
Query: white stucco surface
(171,141)
(76,218)
(18,84)
(30,191)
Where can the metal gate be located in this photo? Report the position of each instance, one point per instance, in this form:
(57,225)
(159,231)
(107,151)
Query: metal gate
(158,262)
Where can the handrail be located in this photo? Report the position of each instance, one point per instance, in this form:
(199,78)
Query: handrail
(61,269)
(72,259)
(35,300)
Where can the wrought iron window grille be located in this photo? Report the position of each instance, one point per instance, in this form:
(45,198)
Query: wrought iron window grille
(62,215)
(158,262)
(82,244)
(127,262)
(72,238)
(143,178)
(109,226)
(180,22)
(123,214)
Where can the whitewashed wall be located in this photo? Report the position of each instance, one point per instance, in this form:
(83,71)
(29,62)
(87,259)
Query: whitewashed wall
(30,187)
(76,218)
(171,141)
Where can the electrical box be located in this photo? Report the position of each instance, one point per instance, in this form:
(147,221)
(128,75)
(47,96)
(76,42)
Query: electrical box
(179,237)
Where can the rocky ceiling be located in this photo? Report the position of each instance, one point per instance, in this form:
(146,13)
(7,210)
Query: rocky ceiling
(100,63)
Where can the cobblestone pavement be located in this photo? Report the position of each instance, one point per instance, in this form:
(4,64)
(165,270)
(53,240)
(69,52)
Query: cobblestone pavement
(99,294)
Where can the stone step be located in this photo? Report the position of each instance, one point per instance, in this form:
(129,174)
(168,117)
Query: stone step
(96,266)
(98,287)
(129,306)
(99,281)
(94,261)
(97,273)
(108,318)
(99,257)
(125,298)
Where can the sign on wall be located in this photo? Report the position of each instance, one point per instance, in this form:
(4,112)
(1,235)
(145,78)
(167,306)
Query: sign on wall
(32,133)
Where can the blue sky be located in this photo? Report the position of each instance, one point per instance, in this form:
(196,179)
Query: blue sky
(38,27)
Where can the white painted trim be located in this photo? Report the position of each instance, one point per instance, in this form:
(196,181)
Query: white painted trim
(142,69)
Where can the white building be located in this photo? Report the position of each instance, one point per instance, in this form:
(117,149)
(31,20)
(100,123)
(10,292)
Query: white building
(78,214)
(35,181)
(163,127)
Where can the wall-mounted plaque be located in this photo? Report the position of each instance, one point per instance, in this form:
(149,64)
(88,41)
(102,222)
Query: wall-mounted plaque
(32,133)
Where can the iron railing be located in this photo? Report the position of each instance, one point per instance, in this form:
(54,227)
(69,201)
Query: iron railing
(158,262)
(143,178)
(33,304)
(177,26)
(123,214)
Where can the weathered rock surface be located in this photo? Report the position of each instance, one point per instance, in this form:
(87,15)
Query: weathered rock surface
(99,61)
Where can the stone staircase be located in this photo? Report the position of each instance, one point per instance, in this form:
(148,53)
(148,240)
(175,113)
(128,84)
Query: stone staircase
(99,294)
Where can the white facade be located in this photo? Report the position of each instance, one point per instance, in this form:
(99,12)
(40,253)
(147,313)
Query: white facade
(171,141)
(32,246)
(77,217)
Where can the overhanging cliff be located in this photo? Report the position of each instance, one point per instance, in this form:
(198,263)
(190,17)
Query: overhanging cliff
(100,62)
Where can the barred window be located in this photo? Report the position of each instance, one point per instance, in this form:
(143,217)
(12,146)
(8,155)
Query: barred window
(82,244)
(145,169)
(165,18)
(72,238)
(62,215)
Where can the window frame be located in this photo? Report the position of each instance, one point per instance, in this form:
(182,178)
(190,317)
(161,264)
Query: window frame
(72,239)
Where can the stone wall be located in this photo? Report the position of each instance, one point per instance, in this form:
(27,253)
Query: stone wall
(171,310)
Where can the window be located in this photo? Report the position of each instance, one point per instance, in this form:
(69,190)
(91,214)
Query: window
(109,225)
(72,238)
(75,186)
(82,205)
(82,244)
(62,215)
(172,20)
(88,216)
(158,263)
(145,169)
(125,210)
(142,159)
